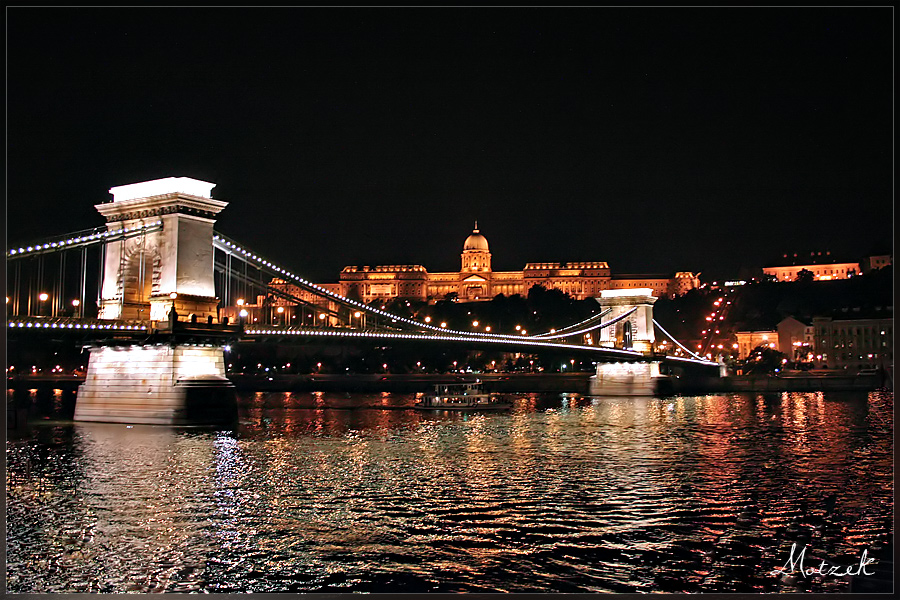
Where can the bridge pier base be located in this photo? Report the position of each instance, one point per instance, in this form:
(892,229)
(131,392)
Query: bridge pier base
(157,385)
(626,379)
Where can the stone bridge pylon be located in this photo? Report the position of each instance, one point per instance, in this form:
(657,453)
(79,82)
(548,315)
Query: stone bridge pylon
(634,332)
(145,276)
(169,379)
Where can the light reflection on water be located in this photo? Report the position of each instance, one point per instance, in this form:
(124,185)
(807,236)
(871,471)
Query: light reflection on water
(320,492)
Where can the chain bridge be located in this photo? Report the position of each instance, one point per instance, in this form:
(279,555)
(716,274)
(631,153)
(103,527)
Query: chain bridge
(156,296)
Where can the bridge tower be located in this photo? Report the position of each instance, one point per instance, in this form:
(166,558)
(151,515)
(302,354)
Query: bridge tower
(174,380)
(634,332)
(145,276)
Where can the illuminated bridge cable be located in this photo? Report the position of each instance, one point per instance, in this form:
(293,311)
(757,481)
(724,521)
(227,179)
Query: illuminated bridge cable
(88,237)
(677,343)
(597,326)
(514,340)
(246,279)
(229,246)
(509,340)
(591,328)
(574,326)
(256,261)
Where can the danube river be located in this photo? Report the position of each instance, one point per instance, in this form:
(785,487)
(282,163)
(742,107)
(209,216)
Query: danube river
(361,493)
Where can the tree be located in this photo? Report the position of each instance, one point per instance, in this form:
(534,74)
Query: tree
(764,360)
(805,276)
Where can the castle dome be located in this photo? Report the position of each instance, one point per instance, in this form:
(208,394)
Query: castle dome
(476,241)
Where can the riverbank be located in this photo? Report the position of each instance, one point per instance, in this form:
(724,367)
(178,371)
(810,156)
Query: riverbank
(508,383)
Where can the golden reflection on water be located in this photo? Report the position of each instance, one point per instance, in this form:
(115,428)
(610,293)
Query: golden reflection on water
(558,494)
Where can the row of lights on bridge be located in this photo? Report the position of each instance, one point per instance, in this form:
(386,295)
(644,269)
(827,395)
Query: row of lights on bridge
(86,238)
(338,297)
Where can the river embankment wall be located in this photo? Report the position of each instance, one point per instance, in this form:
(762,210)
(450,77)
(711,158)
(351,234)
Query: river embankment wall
(510,383)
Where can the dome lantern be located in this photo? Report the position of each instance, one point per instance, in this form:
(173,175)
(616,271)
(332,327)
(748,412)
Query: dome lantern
(476,241)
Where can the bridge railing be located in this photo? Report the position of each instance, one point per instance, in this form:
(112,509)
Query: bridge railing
(75,323)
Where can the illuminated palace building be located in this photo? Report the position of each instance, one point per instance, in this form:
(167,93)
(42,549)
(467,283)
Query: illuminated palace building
(477,281)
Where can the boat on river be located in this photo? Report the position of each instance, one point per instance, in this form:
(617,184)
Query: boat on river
(461,396)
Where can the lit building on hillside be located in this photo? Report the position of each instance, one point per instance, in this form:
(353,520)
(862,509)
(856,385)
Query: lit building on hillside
(821,265)
(875,262)
(476,280)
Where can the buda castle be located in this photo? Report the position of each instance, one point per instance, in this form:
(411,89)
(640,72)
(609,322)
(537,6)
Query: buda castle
(476,281)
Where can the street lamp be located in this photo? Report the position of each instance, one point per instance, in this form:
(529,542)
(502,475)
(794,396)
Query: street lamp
(280,311)
(76,303)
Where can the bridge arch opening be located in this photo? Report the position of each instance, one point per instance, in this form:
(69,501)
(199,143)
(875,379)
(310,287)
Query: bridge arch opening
(138,282)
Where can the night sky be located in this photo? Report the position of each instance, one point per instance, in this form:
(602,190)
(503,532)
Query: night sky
(654,139)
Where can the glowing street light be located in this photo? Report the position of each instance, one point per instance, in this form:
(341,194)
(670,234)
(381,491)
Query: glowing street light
(474,323)
(444,324)
(240,302)
(43,297)
(428,319)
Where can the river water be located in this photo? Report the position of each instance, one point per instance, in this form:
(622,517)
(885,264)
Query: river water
(355,493)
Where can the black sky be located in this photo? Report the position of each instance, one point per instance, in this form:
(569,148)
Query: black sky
(654,139)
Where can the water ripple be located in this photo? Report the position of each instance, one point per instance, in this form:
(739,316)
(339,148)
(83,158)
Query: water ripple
(580,495)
